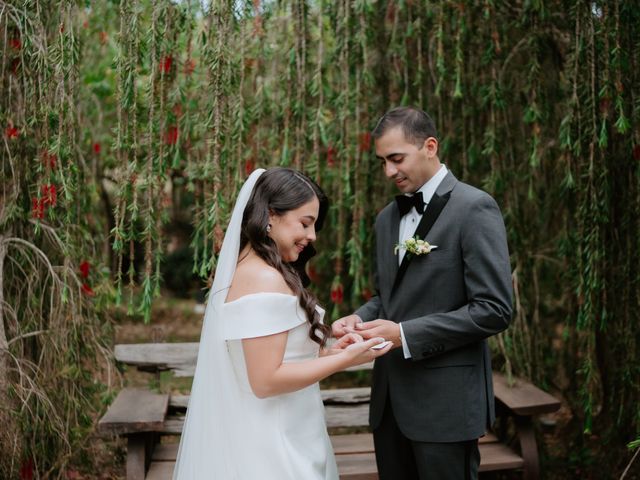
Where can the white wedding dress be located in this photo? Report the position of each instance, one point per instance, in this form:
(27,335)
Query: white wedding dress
(229,433)
(285,436)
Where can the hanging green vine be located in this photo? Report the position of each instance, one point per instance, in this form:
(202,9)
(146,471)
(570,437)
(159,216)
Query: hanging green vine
(118,121)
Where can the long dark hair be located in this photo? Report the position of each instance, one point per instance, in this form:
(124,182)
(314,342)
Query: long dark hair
(279,190)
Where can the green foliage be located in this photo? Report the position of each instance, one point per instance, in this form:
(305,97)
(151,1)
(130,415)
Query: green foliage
(156,112)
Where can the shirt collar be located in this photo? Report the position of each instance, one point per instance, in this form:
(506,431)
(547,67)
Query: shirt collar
(429,188)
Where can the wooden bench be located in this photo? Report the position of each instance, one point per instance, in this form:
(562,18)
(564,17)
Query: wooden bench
(144,417)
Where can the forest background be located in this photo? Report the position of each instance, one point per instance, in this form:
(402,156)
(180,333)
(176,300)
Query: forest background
(128,127)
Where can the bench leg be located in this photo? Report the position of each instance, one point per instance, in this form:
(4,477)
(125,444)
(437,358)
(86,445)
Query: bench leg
(139,451)
(136,456)
(529,448)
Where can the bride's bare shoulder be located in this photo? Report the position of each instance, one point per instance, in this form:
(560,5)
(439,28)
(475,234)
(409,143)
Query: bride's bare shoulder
(254,275)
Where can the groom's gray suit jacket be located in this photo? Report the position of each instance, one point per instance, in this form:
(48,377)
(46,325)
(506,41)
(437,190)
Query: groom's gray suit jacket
(449,301)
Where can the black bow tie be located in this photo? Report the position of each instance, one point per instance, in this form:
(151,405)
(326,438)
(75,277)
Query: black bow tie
(405,203)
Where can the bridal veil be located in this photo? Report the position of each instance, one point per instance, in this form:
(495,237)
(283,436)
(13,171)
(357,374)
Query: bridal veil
(208,434)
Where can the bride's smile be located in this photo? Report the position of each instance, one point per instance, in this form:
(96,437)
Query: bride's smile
(294,230)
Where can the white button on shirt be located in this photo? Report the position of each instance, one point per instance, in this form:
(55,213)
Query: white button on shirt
(409,224)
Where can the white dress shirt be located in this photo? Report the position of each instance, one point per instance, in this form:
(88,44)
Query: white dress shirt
(409,223)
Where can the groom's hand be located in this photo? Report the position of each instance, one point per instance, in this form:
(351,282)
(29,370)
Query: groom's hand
(345,325)
(380,328)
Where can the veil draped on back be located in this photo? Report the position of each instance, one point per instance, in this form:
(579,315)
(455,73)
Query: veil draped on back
(209,433)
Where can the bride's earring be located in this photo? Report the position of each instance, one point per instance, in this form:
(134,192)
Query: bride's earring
(269,228)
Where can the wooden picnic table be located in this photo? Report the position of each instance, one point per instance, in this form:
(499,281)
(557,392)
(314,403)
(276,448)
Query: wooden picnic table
(144,417)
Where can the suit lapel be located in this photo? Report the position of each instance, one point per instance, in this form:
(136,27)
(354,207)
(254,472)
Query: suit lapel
(394,231)
(431,214)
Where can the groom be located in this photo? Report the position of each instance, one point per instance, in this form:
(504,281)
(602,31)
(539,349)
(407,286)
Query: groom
(432,395)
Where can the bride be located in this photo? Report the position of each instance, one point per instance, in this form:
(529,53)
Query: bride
(255,410)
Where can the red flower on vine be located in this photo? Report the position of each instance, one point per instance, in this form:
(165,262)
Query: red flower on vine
(636,152)
(26,470)
(15,64)
(84,269)
(171,135)
(312,273)
(366,294)
(249,166)
(337,294)
(365,141)
(15,43)
(189,66)
(496,41)
(49,159)
(104,36)
(11,132)
(257,26)
(49,195)
(165,63)
(166,201)
(605,102)
(390,15)
(96,148)
(37,208)
(218,237)
(331,157)
(87,290)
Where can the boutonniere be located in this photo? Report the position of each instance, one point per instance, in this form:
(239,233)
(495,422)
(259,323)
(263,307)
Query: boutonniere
(416,246)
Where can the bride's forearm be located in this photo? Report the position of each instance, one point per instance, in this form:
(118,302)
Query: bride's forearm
(270,375)
(292,376)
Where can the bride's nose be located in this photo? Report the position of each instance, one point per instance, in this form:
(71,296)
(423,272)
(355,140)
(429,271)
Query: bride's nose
(311,236)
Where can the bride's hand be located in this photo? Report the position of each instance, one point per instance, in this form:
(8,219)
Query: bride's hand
(343,342)
(361,352)
(346,340)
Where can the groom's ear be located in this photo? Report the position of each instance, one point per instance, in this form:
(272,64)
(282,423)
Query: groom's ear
(431,147)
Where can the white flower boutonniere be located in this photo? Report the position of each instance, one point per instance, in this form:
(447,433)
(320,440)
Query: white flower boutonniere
(416,246)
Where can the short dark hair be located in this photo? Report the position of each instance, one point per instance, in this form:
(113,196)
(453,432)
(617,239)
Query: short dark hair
(416,124)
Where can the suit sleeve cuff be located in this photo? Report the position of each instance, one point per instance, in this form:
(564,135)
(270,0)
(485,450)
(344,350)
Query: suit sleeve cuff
(405,347)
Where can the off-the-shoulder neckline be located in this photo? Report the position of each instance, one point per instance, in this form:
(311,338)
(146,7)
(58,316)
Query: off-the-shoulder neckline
(258,294)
